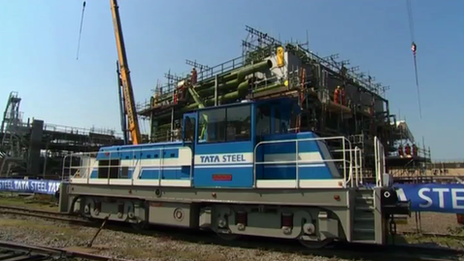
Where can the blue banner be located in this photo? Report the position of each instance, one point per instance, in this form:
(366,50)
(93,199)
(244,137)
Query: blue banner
(30,186)
(445,198)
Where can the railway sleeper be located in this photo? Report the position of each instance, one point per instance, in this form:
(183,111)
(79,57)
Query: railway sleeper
(306,224)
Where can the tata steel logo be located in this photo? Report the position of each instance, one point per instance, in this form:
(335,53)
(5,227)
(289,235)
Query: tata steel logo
(229,158)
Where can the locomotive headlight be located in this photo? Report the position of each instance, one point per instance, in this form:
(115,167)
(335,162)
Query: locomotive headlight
(387,194)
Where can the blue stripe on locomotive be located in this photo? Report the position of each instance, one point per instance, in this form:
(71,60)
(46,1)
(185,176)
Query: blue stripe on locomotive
(146,152)
(142,151)
(308,171)
(167,172)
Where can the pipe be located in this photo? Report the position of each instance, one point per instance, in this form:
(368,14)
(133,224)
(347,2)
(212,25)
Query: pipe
(270,87)
(241,92)
(253,68)
(202,92)
(232,80)
(221,87)
(240,73)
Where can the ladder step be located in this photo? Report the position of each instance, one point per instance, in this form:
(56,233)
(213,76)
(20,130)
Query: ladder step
(364,208)
(364,197)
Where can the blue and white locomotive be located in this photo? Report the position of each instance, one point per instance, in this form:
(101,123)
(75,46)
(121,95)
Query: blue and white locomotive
(237,171)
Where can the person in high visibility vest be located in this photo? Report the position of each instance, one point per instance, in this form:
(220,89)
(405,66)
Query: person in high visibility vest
(343,95)
(156,97)
(337,95)
(175,97)
(194,76)
(407,150)
(400,151)
(414,150)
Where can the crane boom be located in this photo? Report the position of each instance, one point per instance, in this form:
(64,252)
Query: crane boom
(128,92)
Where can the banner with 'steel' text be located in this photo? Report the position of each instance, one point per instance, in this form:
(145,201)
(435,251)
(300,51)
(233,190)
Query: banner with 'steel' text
(30,186)
(444,198)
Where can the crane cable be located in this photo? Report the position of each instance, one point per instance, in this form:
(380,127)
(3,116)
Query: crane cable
(414,49)
(80,31)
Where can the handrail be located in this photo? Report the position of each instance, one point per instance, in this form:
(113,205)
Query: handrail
(379,162)
(297,161)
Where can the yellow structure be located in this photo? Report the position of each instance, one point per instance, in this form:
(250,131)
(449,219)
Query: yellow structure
(280,57)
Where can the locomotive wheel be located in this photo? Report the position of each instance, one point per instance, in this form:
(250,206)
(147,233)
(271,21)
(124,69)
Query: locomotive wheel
(316,244)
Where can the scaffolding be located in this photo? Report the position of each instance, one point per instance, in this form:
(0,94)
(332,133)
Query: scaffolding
(30,148)
(410,162)
(268,68)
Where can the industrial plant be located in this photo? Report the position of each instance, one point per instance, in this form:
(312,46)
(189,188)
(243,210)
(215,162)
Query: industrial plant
(31,148)
(333,98)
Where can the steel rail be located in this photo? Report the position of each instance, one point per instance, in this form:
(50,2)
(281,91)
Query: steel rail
(53,215)
(12,250)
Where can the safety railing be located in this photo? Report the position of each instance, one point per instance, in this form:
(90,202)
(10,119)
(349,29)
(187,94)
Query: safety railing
(379,153)
(79,131)
(357,166)
(358,159)
(224,67)
(346,160)
(78,167)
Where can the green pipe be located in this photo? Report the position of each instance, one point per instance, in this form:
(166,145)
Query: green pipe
(224,77)
(253,68)
(222,87)
(232,79)
(270,87)
(240,74)
(195,97)
(241,92)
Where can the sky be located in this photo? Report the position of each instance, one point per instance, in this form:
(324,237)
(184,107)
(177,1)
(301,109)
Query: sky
(38,45)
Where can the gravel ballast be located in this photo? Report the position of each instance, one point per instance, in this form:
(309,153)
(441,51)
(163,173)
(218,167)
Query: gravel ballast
(125,245)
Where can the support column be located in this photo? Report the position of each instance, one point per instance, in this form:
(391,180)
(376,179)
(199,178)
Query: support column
(216,90)
(35,144)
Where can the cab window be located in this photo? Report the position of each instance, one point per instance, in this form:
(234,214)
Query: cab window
(225,124)
(238,123)
(263,120)
(189,128)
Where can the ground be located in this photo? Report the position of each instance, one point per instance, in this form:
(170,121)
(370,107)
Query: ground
(162,246)
(133,246)
(44,202)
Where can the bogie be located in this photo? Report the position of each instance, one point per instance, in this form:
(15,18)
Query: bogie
(229,221)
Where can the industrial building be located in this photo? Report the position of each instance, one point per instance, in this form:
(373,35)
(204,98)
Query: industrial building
(334,99)
(33,148)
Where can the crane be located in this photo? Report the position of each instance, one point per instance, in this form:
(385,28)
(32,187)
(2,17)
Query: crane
(128,92)
(121,106)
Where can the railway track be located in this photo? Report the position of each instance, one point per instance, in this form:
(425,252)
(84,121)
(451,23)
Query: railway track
(341,250)
(53,215)
(15,251)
